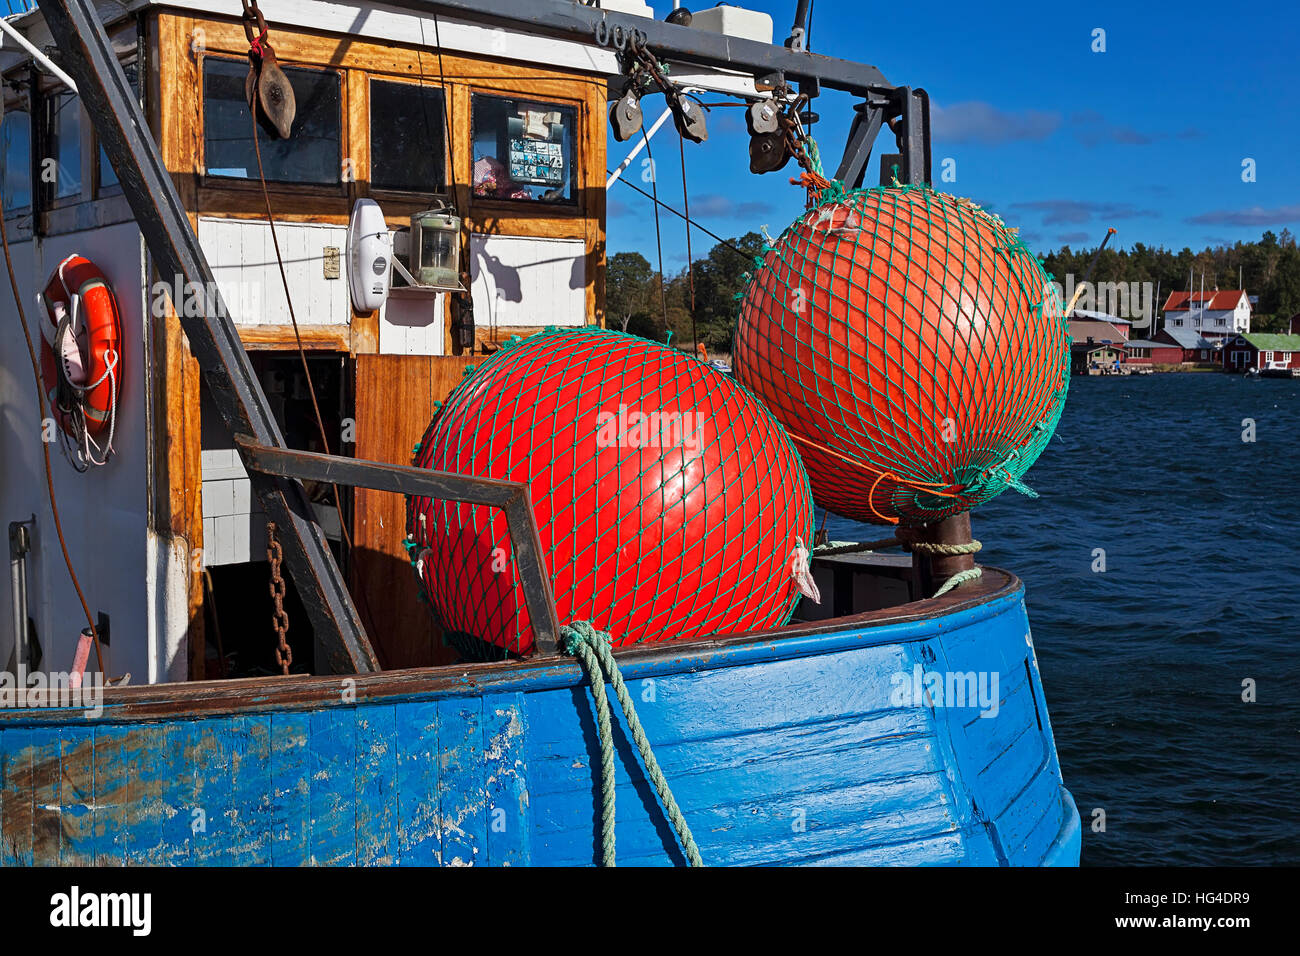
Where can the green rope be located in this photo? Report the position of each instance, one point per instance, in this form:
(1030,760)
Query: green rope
(592,648)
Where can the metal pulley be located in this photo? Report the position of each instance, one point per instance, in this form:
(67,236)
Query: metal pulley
(762,117)
(768,152)
(689,117)
(625,116)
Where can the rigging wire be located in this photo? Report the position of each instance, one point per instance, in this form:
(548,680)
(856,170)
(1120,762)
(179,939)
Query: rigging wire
(708,232)
(690,258)
(447,105)
(45,446)
(654,177)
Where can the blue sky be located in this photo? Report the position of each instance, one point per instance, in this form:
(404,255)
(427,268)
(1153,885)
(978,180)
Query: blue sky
(1148,136)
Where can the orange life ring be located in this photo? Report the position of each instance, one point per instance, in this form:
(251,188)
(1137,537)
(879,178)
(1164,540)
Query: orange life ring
(81,348)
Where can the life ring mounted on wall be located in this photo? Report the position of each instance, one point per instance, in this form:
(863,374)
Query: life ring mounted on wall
(81,358)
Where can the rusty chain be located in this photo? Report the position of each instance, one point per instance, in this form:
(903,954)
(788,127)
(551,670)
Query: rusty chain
(279,618)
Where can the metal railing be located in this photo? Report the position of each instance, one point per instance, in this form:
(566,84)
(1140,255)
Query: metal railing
(512,497)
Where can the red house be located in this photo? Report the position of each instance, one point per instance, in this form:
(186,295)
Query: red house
(1181,346)
(1152,352)
(1261,350)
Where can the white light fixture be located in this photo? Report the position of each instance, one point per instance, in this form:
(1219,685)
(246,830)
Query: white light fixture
(370,256)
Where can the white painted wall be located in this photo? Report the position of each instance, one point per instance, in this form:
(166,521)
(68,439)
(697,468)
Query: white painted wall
(105,511)
(526,282)
(242,257)
(411,323)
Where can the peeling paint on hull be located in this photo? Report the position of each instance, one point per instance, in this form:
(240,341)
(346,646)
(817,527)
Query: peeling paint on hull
(783,749)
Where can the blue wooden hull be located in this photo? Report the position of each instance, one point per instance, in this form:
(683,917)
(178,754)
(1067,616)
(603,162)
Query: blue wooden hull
(781,748)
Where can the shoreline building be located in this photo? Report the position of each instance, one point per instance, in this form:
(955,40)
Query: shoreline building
(1210,314)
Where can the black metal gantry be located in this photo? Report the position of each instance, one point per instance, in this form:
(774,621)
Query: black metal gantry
(903,110)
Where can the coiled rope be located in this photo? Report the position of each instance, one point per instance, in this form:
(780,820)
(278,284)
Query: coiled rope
(592,648)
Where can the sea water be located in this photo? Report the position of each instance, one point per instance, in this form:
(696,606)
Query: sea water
(1162,573)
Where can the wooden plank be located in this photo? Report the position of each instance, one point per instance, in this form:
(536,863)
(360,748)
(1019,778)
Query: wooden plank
(226,36)
(290,789)
(376,785)
(333,746)
(509,811)
(330,338)
(395,396)
(177,495)
(175,805)
(16,811)
(77,795)
(114,799)
(216,745)
(417,784)
(250,791)
(47,817)
(462,799)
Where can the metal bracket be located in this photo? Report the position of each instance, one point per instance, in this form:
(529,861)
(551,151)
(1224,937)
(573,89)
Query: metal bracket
(907,113)
(510,496)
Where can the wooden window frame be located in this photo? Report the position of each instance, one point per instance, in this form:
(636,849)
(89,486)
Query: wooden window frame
(252,184)
(519,208)
(381,193)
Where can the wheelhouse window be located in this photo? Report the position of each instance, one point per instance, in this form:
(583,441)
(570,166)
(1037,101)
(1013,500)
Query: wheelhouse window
(407,137)
(523,150)
(107,177)
(16,155)
(311,154)
(63,128)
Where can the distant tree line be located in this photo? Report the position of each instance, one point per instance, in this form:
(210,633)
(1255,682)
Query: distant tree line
(639,300)
(1269,269)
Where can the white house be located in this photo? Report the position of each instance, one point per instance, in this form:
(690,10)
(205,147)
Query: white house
(1215,313)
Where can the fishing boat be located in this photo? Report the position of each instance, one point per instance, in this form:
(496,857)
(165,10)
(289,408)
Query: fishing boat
(151,716)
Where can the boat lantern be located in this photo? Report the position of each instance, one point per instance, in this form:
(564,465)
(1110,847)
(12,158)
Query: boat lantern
(435,247)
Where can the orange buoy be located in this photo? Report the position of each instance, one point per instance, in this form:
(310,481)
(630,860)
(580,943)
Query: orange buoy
(913,347)
(670,504)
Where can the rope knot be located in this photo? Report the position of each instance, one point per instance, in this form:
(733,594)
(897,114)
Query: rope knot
(583,633)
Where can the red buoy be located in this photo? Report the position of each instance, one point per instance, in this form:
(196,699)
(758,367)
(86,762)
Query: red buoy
(913,347)
(670,503)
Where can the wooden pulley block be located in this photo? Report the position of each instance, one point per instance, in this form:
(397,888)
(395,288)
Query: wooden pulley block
(768,152)
(269,94)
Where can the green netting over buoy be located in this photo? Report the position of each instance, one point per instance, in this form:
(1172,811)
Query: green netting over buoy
(913,347)
(670,503)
